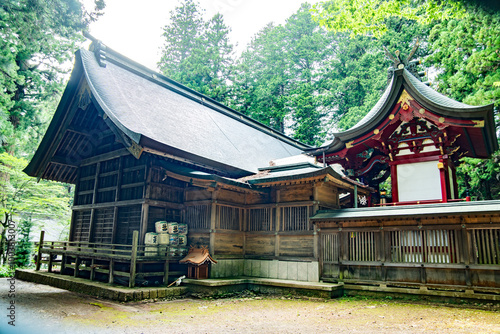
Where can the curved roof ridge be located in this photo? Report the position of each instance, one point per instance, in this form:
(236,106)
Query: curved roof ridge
(433,95)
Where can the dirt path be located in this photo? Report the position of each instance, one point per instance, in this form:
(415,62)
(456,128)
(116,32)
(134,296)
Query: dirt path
(43,309)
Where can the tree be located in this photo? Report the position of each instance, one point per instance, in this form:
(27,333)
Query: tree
(21,195)
(197,53)
(24,247)
(36,38)
(369,17)
(260,80)
(357,76)
(308,48)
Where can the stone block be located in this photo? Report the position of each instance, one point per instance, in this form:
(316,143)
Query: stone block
(273,269)
(255,268)
(264,268)
(313,271)
(247,268)
(282,270)
(292,271)
(302,271)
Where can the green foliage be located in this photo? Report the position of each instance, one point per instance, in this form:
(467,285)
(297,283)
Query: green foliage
(357,75)
(36,38)
(369,17)
(6,271)
(466,53)
(21,195)
(24,247)
(260,80)
(278,78)
(481,177)
(197,53)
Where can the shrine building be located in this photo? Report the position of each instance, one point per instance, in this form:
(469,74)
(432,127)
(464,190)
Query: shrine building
(147,154)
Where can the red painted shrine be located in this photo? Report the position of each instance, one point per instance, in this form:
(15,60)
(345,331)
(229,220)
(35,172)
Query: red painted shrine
(416,136)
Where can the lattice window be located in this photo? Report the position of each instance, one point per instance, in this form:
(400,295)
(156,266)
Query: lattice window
(362,246)
(228,218)
(425,246)
(198,216)
(260,219)
(486,245)
(295,218)
(81,227)
(330,247)
(103,226)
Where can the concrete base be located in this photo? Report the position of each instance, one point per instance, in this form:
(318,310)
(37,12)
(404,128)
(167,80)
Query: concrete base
(218,287)
(275,269)
(423,291)
(98,289)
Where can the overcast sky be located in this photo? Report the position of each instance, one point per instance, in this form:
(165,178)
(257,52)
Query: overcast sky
(134,28)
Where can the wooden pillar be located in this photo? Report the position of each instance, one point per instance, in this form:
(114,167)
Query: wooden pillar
(315,209)
(277,225)
(468,254)
(49,265)
(92,269)
(40,246)
(213,217)
(111,278)
(73,212)
(144,222)
(166,270)
(117,199)
(94,201)
(394,183)
(443,173)
(133,259)
(77,266)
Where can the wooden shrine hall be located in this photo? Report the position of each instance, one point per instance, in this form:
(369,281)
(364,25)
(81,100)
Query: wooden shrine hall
(142,149)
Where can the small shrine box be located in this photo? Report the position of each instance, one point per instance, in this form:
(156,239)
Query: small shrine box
(198,260)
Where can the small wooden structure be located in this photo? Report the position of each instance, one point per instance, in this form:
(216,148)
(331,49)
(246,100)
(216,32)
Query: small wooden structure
(198,261)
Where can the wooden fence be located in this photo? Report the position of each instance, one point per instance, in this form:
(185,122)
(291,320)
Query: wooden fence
(109,259)
(440,255)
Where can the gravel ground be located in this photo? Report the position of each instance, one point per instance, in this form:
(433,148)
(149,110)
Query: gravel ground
(44,309)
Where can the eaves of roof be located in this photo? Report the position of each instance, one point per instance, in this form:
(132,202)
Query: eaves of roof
(424,210)
(428,97)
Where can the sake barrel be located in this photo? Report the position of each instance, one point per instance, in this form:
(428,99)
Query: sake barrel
(151,238)
(183,228)
(151,251)
(173,240)
(172,251)
(161,227)
(182,251)
(163,238)
(173,228)
(183,240)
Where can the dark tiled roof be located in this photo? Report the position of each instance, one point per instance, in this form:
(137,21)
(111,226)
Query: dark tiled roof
(150,108)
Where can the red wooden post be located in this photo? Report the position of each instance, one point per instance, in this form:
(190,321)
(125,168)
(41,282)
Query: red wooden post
(394,183)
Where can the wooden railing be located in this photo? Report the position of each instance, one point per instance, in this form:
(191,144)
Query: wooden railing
(443,255)
(101,258)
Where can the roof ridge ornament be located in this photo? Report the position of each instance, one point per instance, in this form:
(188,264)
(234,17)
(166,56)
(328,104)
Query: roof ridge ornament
(98,47)
(400,62)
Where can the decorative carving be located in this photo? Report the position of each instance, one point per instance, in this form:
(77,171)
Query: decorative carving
(84,96)
(136,150)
